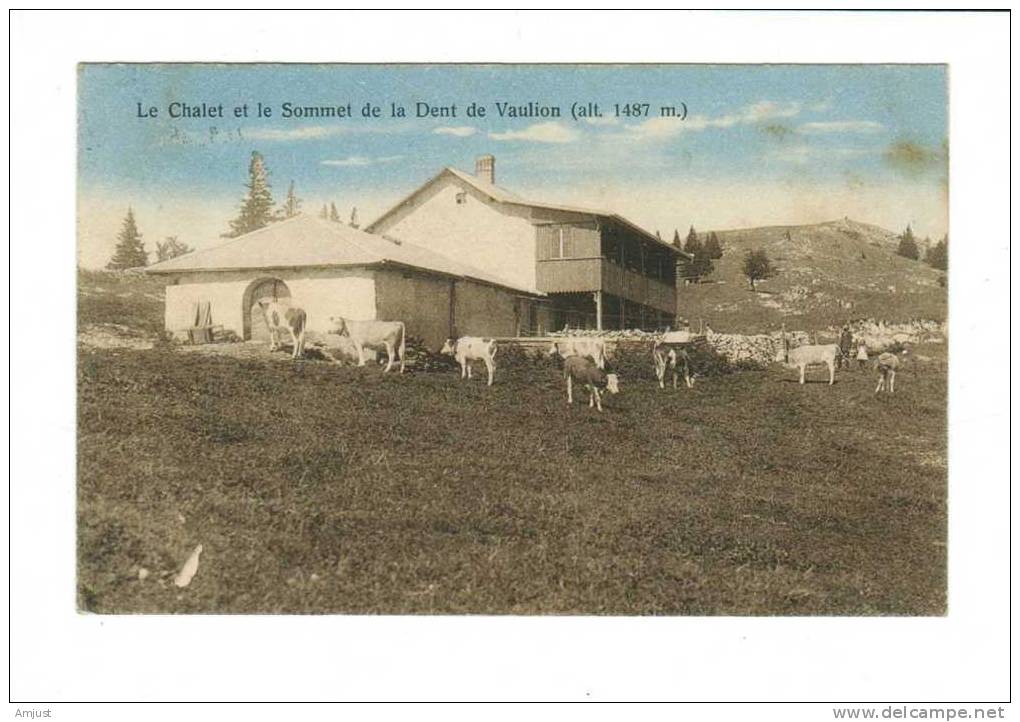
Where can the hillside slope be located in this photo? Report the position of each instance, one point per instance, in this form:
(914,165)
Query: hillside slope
(828,273)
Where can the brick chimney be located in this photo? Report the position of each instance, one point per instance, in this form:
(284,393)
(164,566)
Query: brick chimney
(485,168)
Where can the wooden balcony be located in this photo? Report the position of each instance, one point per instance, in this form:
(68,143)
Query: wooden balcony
(574,275)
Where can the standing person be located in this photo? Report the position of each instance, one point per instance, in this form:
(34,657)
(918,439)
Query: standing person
(862,355)
(846,343)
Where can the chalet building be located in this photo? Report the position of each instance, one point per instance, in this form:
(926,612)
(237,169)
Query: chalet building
(597,269)
(330,269)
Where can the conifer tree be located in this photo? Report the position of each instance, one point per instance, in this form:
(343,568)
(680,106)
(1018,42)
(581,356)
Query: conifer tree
(908,245)
(938,255)
(713,249)
(692,245)
(257,206)
(291,206)
(334,215)
(129,253)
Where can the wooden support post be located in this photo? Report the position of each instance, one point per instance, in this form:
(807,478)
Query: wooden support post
(598,310)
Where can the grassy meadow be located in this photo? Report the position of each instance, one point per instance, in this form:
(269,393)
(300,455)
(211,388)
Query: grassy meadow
(320,489)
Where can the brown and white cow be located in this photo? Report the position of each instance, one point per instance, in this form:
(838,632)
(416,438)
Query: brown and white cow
(593,348)
(584,371)
(280,317)
(471,348)
(389,336)
(678,362)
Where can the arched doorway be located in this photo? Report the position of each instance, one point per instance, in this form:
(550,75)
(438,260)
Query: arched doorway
(263,289)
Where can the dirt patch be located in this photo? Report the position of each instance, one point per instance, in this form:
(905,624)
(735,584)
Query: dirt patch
(114,335)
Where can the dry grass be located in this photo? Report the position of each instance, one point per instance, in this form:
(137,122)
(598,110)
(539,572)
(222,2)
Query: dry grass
(821,268)
(314,488)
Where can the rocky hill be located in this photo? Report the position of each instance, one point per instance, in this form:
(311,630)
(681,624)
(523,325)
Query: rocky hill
(828,273)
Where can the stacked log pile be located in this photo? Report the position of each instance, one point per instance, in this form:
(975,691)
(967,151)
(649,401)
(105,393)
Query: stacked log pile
(758,351)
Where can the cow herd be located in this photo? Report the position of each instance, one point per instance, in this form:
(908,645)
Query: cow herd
(584,359)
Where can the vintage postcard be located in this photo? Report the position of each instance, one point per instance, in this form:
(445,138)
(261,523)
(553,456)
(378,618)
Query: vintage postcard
(512,339)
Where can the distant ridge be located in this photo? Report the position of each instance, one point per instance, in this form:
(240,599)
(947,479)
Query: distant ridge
(827,273)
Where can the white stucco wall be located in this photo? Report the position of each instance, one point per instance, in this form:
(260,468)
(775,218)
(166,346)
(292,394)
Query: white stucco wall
(333,293)
(475,232)
(320,292)
(223,291)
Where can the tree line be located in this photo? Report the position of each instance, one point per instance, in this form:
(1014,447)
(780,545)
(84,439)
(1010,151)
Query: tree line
(936,256)
(257,210)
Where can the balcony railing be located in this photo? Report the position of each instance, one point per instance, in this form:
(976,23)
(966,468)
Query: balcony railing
(572,275)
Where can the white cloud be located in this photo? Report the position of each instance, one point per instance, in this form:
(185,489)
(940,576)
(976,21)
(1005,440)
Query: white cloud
(307,132)
(656,128)
(315,132)
(551,132)
(459,131)
(821,106)
(767,110)
(841,126)
(356,161)
(800,154)
(604,120)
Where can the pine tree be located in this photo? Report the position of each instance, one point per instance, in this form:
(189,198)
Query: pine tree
(908,246)
(354,217)
(324,214)
(757,266)
(257,206)
(171,248)
(692,245)
(713,249)
(676,239)
(130,252)
(701,265)
(292,206)
(333,214)
(938,255)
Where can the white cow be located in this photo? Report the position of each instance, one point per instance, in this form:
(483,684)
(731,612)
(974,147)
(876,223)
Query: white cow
(670,359)
(886,365)
(593,348)
(279,317)
(811,355)
(378,335)
(471,348)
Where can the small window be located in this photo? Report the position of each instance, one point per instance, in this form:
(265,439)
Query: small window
(462,198)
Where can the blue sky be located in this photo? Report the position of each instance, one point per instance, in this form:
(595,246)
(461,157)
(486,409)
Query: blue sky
(809,140)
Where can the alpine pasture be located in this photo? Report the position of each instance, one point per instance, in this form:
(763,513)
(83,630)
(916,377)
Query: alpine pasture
(314,488)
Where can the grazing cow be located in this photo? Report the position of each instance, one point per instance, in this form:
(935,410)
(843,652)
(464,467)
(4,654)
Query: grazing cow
(593,348)
(886,365)
(279,317)
(678,362)
(471,348)
(811,355)
(586,372)
(378,335)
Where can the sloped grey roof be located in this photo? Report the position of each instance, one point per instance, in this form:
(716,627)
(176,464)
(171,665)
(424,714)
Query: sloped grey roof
(307,241)
(502,195)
